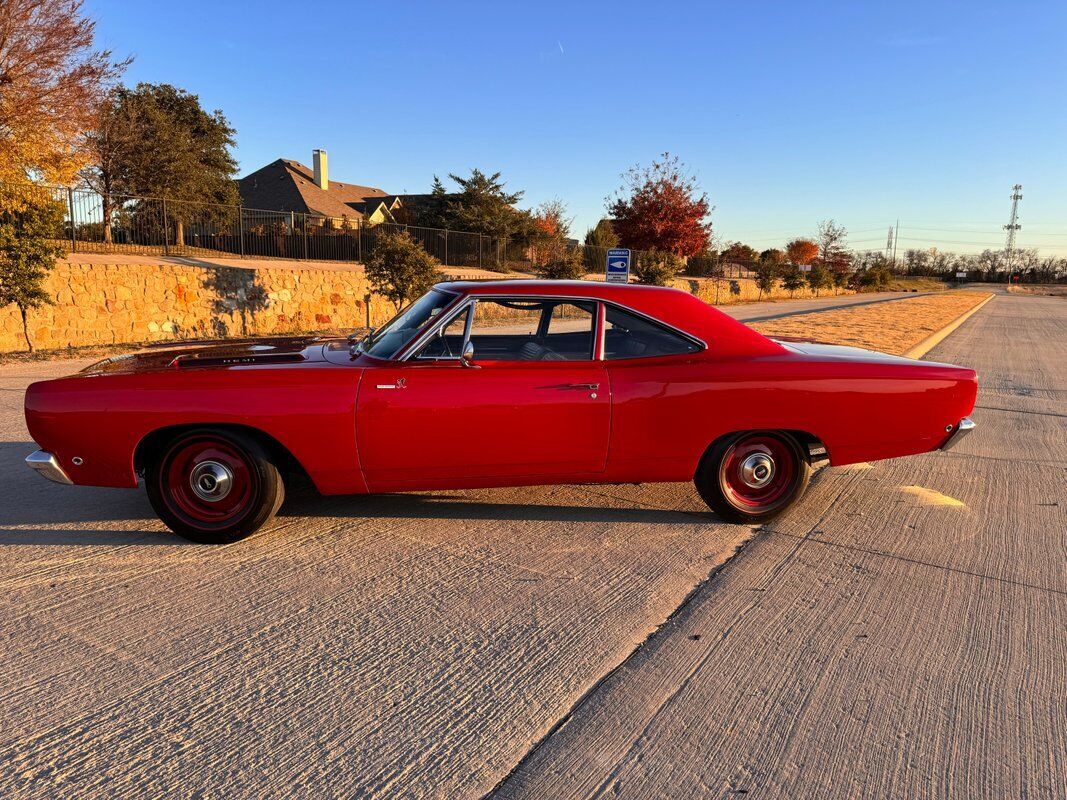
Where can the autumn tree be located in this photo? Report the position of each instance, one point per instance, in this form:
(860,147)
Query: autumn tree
(801,252)
(28,251)
(52,82)
(833,248)
(400,269)
(661,208)
(551,227)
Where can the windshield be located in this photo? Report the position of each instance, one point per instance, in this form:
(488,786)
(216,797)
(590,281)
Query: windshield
(387,341)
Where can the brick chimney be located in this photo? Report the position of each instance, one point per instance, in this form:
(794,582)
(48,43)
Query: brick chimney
(322,171)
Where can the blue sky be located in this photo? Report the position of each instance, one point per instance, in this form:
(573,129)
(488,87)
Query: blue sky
(788,113)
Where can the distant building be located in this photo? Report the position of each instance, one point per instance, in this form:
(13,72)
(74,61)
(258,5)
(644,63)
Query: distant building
(289,186)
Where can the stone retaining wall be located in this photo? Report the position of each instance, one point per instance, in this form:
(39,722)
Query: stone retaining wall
(115,303)
(98,303)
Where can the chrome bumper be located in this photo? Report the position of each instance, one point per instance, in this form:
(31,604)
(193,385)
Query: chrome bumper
(47,466)
(966,426)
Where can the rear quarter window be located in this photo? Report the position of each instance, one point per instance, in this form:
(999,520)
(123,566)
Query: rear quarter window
(628,335)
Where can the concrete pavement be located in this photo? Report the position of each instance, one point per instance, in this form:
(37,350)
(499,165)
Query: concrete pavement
(901,635)
(404,645)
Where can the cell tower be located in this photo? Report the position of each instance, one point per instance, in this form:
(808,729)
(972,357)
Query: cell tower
(889,243)
(1013,225)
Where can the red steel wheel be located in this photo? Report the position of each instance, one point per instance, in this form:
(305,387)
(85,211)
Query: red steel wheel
(753,476)
(214,487)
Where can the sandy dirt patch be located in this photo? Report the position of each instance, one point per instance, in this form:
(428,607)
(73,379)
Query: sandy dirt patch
(888,327)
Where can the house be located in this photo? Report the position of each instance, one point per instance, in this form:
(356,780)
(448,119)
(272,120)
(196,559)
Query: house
(289,186)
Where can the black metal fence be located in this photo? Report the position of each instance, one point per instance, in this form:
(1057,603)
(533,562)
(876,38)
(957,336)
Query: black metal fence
(98,223)
(110,223)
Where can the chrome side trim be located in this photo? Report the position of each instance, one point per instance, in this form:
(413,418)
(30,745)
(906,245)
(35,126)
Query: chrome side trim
(966,426)
(47,466)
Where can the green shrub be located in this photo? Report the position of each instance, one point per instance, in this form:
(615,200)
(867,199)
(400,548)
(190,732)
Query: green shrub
(567,265)
(656,269)
(819,278)
(792,279)
(400,269)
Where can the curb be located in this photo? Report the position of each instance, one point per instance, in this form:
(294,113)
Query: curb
(934,339)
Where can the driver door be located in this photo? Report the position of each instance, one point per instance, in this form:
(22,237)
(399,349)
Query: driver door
(533,405)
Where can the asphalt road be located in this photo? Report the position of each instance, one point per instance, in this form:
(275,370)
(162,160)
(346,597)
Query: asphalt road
(901,633)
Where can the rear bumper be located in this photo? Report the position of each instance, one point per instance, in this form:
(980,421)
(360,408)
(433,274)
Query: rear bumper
(46,465)
(966,426)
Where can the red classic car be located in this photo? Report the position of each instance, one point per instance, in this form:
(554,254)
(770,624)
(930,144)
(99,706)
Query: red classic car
(501,383)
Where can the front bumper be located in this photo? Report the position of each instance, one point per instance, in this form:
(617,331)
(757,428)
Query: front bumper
(966,426)
(46,464)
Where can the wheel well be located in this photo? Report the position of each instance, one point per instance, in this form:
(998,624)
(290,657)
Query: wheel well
(152,443)
(811,444)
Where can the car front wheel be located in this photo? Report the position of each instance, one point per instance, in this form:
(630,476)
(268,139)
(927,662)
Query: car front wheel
(752,477)
(214,487)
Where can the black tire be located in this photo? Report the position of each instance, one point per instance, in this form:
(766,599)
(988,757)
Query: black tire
(721,479)
(184,476)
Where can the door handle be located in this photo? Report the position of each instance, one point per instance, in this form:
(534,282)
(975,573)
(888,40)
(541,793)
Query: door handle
(589,386)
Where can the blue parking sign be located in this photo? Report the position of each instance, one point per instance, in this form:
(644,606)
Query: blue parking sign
(618,265)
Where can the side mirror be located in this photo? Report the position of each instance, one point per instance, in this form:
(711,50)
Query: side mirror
(466,358)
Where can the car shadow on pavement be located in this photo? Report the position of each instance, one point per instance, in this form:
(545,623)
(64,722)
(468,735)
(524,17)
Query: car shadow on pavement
(36,511)
(458,506)
(75,537)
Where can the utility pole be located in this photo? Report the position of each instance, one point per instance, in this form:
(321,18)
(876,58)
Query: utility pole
(1013,226)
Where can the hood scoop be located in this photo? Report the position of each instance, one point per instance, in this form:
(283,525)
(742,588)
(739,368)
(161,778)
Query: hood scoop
(192,360)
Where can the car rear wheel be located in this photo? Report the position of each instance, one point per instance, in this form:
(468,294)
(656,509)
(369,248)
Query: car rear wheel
(214,487)
(752,477)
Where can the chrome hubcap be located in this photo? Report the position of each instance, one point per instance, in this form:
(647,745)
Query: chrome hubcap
(211,481)
(757,470)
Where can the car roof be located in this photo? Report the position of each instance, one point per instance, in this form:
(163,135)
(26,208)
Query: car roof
(674,307)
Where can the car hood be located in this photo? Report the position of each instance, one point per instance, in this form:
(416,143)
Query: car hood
(213,354)
(838,352)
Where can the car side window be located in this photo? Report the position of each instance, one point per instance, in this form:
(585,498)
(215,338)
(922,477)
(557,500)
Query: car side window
(628,335)
(517,329)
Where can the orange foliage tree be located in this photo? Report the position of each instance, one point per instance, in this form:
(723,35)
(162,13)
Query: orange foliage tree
(52,83)
(551,227)
(661,208)
(801,251)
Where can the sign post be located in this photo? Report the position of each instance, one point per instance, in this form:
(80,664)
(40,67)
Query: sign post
(617,269)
